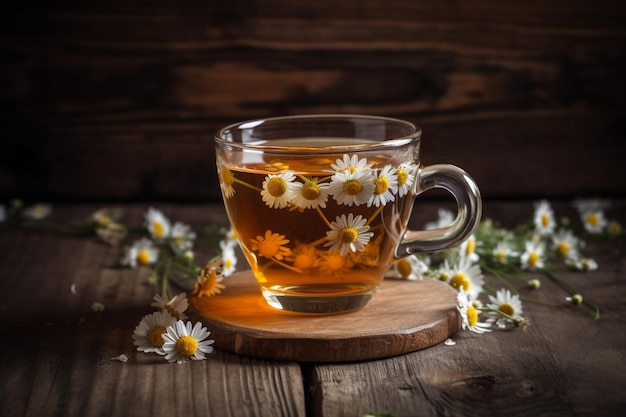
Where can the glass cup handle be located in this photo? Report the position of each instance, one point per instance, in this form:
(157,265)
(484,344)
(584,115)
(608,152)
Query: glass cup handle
(465,191)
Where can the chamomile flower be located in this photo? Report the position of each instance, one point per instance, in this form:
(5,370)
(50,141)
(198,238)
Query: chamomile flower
(467,249)
(182,237)
(544,218)
(444,219)
(614,228)
(229,240)
(444,272)
(385,187)
(157,224)
(469,314)
(406,178)
(350,164)
(208,282)
(304,257)
(507,303)
(148,335)
(227,180)
(175,306)
(348,234)
(278,189)
(503,252)
(581,263)
(310,193)
(411,267)
(271,245)
(585,205)
(352,188)
(37,211)
(332,263)
(565,243)
(229,260)
(141,252)
(533,256)
(183,342)
(467,277)
(594,221)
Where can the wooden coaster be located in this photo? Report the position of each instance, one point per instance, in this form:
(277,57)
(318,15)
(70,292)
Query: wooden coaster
(404,316)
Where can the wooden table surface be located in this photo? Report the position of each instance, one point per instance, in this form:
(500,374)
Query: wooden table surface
(56,351)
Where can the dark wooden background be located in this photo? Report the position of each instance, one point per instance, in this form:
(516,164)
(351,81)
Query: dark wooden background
(118,100)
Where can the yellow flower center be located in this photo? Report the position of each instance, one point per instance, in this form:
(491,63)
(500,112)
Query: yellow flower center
(404,268)
(352,187)
(303,261)
(228,263)
(268,248)
(592,219)
(545,220)
(310,190)
(506,309)
(227,176)
(155,336)
(158,229)
(471,247)
(460,280)
(186,346)
(501,256)
(276,186)
(533,258)
(348,235)
(615,228)
(143,257)
(403,176)
(472,316)
(562,248)
(443,276)
(382,185)
(335,262)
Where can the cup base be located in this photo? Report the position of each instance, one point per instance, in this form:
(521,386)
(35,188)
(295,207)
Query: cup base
(307,299)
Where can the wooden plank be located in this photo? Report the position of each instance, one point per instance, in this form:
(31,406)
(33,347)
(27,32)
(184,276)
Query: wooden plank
(58,361)
(127,96)
(565,363)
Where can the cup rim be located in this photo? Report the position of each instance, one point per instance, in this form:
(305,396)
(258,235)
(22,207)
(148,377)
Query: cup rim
(267,146)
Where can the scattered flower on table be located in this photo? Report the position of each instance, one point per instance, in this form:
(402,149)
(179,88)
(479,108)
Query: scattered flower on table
(183,342)
(533,256)
(544,218)
(157,224)
(208,282)
(182,237)
(37,211)
(444,219)
(470,314)
(148,335)
(176,306)
(142,252)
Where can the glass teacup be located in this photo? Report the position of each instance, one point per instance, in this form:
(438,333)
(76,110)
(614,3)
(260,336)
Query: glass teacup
(320,204)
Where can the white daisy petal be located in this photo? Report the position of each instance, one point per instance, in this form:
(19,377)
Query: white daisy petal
(348,234)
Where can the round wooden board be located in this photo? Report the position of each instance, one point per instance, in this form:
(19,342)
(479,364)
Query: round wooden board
(404,316)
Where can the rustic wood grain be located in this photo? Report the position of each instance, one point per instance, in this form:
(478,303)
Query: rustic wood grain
(403,316)
(563,364)
(117,101)
(55,357)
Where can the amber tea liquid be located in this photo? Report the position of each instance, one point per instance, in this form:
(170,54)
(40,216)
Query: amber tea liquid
(317,230)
